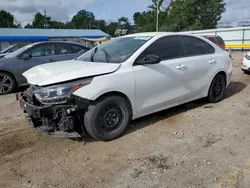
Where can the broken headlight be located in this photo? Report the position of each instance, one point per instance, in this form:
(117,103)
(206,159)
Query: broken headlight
(59,93)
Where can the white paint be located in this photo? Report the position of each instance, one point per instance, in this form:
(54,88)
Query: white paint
(150,88)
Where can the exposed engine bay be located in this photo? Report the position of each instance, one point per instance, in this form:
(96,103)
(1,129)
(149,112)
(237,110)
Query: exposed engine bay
(60,119)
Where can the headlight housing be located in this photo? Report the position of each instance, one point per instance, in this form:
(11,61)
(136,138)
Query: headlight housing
(59,93)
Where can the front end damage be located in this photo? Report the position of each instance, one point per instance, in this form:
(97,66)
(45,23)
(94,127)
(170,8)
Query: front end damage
(56,119)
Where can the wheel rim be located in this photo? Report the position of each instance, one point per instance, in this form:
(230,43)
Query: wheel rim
(111,118)
(5,84)
(218,87)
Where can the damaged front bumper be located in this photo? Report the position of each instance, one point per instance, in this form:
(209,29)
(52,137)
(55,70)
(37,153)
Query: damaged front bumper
(58,120)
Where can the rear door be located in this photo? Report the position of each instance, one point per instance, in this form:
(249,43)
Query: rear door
(201,64)
(40,54)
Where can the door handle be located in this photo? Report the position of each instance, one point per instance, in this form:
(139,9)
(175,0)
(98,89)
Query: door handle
(212,62)
(181,67)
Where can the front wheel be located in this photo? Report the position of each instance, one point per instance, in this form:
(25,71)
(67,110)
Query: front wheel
(217,89)
(107,118)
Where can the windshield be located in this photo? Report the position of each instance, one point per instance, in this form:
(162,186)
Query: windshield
(19,51)
(116,50)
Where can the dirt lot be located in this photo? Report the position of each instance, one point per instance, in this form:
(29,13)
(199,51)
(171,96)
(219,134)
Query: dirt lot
(193,145)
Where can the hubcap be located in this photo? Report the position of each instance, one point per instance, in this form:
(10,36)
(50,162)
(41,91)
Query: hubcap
(111,118)
(217,89)
(5,84)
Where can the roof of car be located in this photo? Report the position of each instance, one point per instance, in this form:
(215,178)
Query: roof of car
(153,34)
(210,36)
(66,42)
(149,34)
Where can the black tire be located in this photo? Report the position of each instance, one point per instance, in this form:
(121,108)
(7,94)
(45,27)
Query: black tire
(217,89)
(9,80)
(246,72)
(107,118)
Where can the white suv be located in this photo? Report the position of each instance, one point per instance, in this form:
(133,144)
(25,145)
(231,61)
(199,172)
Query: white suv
(121,80)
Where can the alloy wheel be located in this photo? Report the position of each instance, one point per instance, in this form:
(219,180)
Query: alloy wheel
(6,84)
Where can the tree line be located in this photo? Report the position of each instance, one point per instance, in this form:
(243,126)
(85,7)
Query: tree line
(174,15)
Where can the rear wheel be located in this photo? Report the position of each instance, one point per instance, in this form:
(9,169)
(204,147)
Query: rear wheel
(107,118)
(217,89)
(7,83)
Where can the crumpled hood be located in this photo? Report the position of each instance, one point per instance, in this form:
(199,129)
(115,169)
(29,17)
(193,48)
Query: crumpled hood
(62,71)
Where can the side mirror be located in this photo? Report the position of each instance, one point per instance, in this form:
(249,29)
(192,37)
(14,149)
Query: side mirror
(26,56)
(148,59)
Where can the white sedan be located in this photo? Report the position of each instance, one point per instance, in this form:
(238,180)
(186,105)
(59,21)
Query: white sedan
(124,79)
(245,63)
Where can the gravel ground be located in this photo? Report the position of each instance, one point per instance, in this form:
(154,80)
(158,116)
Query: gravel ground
(195,145)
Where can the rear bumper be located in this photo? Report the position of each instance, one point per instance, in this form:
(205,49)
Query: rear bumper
(245,70)
(55,120)
(245,66)
(229,78)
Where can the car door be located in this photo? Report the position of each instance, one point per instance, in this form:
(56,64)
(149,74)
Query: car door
(159,86)
(36,55)
(201,64)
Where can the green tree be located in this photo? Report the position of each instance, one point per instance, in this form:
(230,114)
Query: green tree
(40,21)
(111,28)
(123,22)
(100,24)
(83,20)
(56,25)
(194,15)
(7,20)
(28,26)
(145,21)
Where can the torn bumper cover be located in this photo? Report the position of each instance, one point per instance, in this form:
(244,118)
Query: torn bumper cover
(59,120)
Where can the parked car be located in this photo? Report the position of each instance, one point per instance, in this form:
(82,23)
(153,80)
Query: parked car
(10,49)
(216,40)
(14,64)
(245,63)
(121,80)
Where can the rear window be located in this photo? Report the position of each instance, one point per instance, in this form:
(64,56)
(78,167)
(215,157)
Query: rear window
(195,46)
(220,40)
(213,40)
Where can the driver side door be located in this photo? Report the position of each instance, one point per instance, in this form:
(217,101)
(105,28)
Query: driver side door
(39,54)
(162,85)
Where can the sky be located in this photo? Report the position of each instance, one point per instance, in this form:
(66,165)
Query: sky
(63,10)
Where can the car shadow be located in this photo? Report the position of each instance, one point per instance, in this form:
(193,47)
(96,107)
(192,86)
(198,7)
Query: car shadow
(233,89)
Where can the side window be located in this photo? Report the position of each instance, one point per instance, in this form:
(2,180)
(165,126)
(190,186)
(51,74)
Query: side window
(63,49)
(213,40)
(195,46)
(221,41)
(77,48)
(43,50)
(167,48)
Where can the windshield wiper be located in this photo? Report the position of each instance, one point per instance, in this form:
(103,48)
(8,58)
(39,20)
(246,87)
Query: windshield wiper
(108,58)
(93,54)
(107,55)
